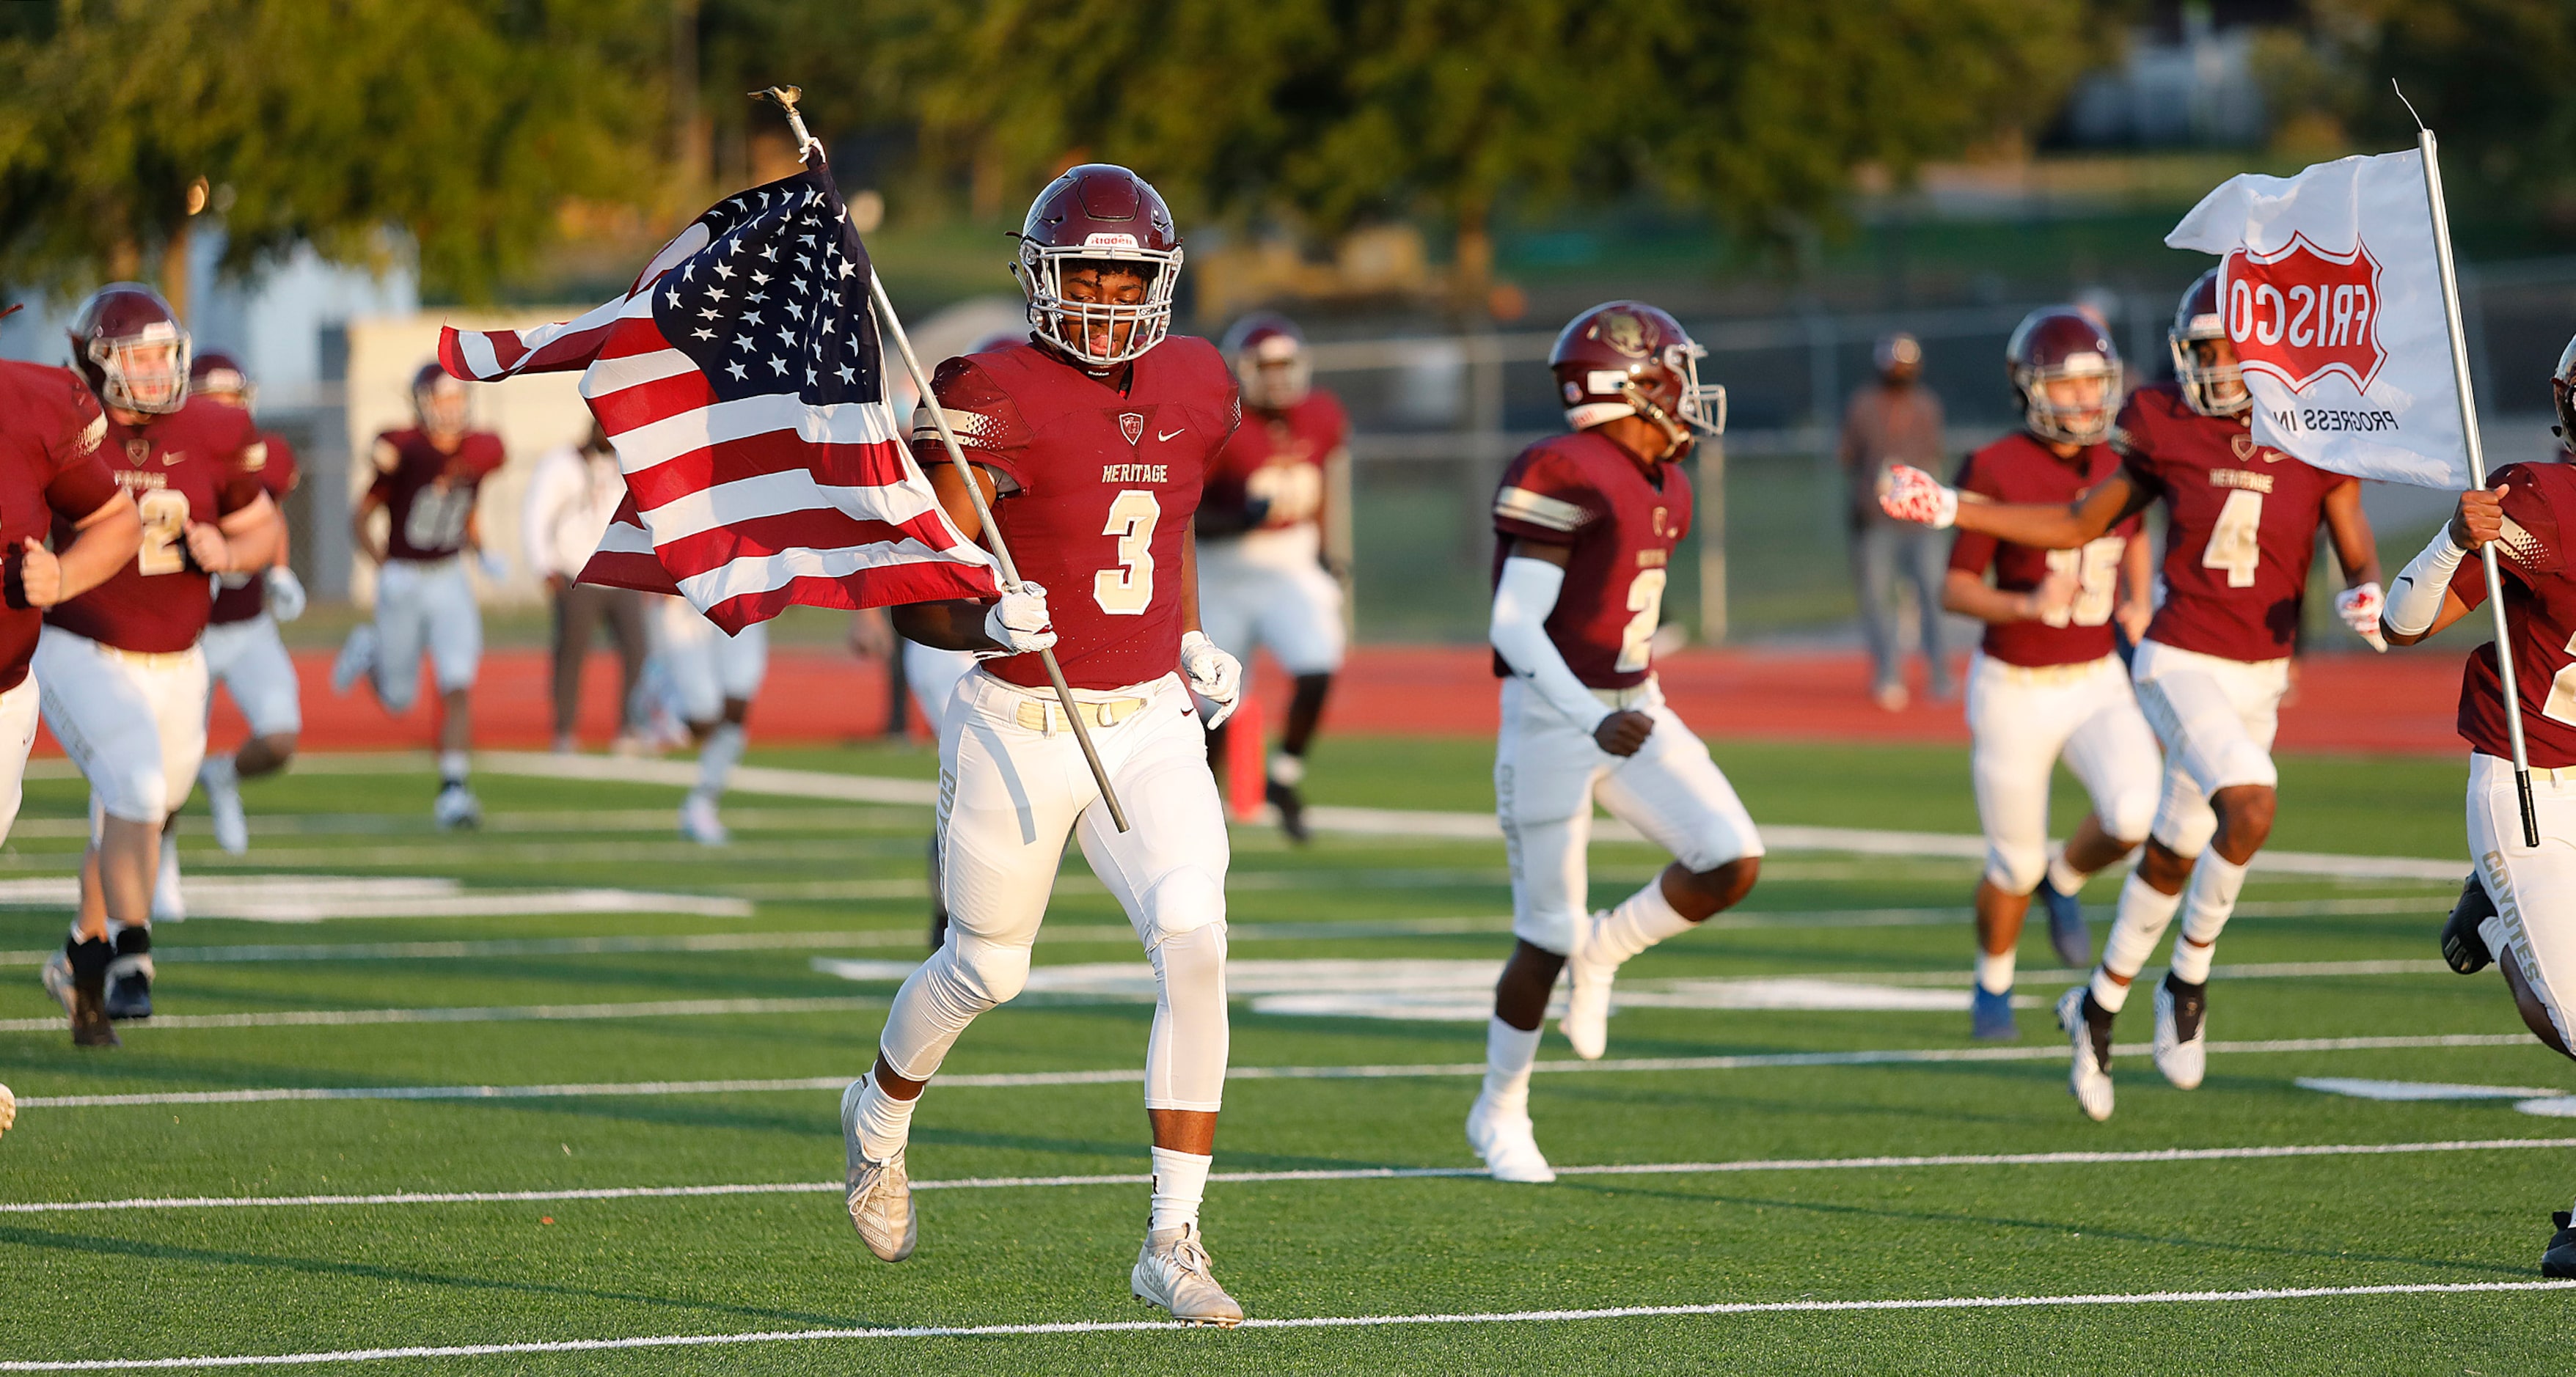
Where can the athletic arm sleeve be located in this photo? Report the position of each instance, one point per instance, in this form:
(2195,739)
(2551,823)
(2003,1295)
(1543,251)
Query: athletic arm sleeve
(2415,598)
(1523,598)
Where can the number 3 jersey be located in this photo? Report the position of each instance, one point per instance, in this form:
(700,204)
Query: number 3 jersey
(2243,526)
(2019,468)
(2540,614)
(198,464)
(1098,485)
(1619,526)
(429,493)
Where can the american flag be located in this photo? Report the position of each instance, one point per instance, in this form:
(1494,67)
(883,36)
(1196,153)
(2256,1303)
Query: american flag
(742,383)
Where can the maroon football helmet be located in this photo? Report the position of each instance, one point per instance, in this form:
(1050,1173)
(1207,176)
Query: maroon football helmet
(1626,358)
(2212,389)
(1099,214)
(2562,392)
(1270,365)
(2056,344)
(439,401)
(130,347)
(220,376)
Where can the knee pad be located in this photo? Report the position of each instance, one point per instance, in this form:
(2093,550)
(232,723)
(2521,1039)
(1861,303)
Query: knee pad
(1186,1057)
(1181,902)
(2132,814)
(397,698)
(2016,869)
(2243,762)
(986,972)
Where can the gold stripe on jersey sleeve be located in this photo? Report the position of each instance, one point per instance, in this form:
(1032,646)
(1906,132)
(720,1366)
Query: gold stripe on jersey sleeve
(1538,509)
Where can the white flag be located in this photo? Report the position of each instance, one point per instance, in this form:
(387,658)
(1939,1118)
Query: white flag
(2331,290)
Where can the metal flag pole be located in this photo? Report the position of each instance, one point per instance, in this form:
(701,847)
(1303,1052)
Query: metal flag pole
(785,98)
(2424,143)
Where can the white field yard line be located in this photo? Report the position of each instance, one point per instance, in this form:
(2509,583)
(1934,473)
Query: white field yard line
(1624,1312)
(2255,1153)
(1758,1061)
(518,1013)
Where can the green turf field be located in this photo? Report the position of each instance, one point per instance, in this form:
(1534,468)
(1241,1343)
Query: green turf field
(592,994)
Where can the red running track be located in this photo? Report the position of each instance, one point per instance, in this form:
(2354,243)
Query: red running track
(2401,703)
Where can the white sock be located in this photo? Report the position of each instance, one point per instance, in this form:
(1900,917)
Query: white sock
(1287,771)
(1995,971)
(1180,1183)
(452,768)
(716,758)
(1640,921)
(217,772)
(2208,901)
(2491,930)
(885,1123)
(2144,914)
(2064,878)
(1509,1055)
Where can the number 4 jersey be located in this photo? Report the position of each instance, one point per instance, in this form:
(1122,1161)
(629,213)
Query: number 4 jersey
(429,493)
(1619,526)
(2243,532)
(2540,613)
(1097,487)
(198,464)
(2018,468)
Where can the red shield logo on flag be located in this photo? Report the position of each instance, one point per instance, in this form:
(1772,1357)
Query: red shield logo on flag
(2300,313)
(1133,423)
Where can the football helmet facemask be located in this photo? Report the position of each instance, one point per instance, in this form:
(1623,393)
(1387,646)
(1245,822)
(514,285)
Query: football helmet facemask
(2212,389)
(2562,395)
(1626,358)
(439,402)
(221,376)
(1270,364)
(1099,215)
(2057,344)
(129,346)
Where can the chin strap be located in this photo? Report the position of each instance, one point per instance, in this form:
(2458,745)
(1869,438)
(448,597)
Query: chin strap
(1677,437)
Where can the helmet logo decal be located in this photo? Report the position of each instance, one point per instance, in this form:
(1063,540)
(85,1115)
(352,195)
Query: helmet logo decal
(1573,392)
(2300,313)
(1109,241)
(1604,379)
(1132,423)
(1625,333)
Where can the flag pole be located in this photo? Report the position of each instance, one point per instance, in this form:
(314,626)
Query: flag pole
(2425,144)
(785,98)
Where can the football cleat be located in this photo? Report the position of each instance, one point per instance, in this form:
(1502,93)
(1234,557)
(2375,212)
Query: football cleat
(169,901)
(57,976)
(8,1108)
(357,660)
(880,1193)
(1292,809)
(456,807)
(2089,1079)
(2559,1260)
(2463,946)
(2067,930)
(1587,999)
(2182,1016)
(1507,1144)
(1172,1271)
(1990,1016)
(699,823)
(90,1025)
(223,797)
(129,988)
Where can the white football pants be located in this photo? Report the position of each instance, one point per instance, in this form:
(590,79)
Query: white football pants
(425,604)
(249,659)
(2534,888)
(706,665)
(1265,590)
(18,714)
(2216,718)
(931,675)
(134,722)
(2023,719)
(1012,785)
(1547,772)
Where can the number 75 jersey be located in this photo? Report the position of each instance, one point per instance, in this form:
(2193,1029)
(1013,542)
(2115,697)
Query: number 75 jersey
(2243,526)
(1619,525)
(200,463)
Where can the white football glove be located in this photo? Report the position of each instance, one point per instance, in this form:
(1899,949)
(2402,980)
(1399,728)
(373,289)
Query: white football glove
(2360,609)
(1909,494)
(2053,601)
(1019,624)
(285,594)
(1213,675)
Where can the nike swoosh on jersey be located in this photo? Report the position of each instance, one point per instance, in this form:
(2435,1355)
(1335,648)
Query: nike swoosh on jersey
(1166,435)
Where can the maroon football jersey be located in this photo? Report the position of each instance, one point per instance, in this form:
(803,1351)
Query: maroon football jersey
(191,465)
(2019,468)
(1098,487)
(51,432)
(1279,457)
(240,597)
(2243,530)
(1619,525)
(429,494)
(2540,614)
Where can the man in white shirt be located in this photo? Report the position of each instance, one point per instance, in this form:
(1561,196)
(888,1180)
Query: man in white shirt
(571,498)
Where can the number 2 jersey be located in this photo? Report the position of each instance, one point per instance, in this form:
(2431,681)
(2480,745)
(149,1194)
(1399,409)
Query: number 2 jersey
(1619,526)
(51,438)
(1098,484)
(428,492)
(2018,468)
(2532,556)
(197,464)
(2243,531)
